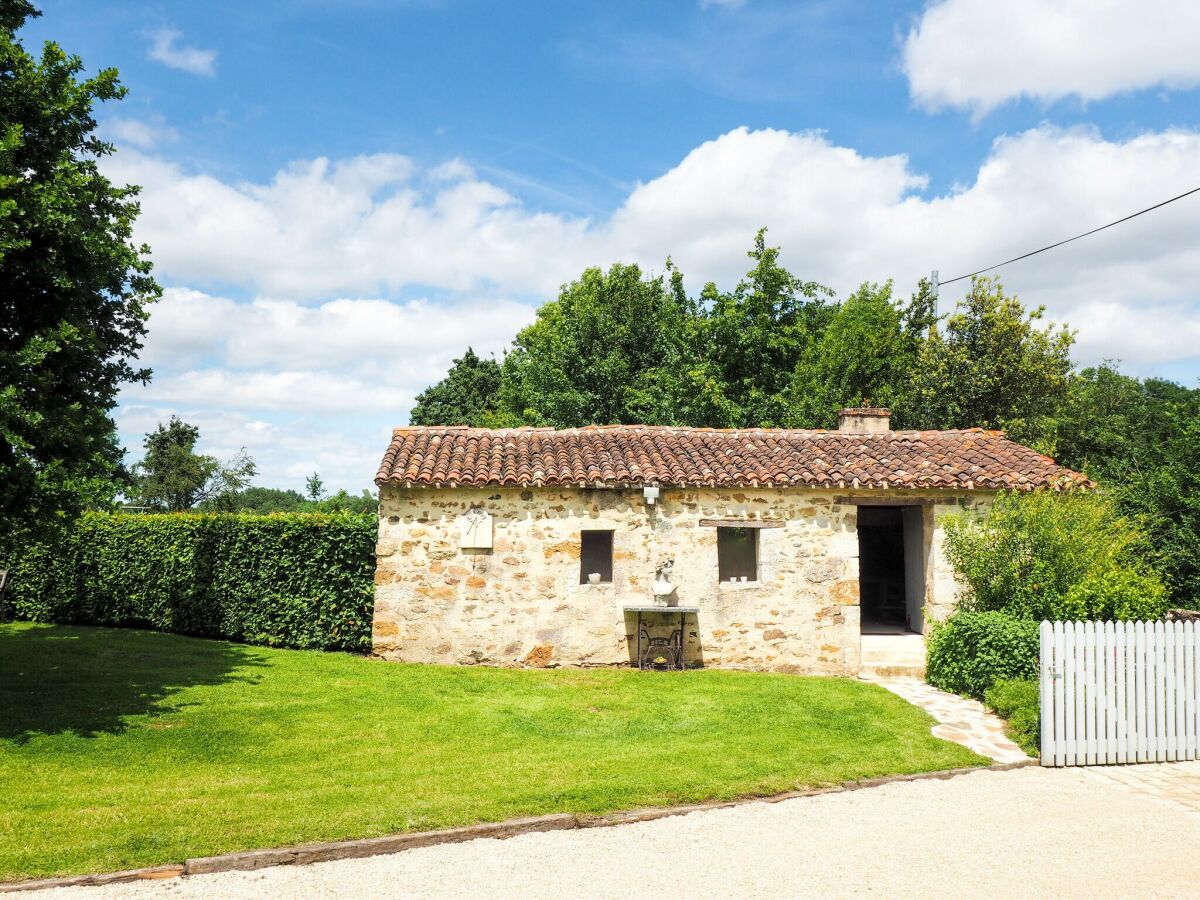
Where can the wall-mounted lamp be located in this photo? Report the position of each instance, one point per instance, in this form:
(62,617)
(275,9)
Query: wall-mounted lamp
(650,492)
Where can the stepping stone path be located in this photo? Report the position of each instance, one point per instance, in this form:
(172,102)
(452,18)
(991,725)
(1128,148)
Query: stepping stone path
(960,720)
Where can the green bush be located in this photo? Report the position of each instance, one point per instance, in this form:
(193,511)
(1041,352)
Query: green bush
(1046,555)
(1017,701)
(971,651)
(292,580)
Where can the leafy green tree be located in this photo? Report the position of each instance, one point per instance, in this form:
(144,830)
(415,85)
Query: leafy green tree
(1141,439)
(173,477)
(1168,496)
(1102,425)
(73,287)
(866,354)
(752,339)
(468,395)
(314,486)
(599,354)
(993,367)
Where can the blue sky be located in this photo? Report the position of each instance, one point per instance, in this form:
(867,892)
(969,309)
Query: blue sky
(340,197)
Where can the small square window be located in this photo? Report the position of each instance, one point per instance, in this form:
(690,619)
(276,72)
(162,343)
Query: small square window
(596,555)
(737,554)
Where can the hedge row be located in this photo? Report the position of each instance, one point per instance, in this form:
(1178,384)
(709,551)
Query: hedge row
(294,580)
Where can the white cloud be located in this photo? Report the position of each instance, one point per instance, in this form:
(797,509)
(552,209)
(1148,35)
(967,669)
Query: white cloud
(977,54)
(344,357)
(189,328)
(166,49)
(136,133)
(726,4)
(303,388)
(818,200)
(315,391)
(842,217)
(358,226)
(371,228)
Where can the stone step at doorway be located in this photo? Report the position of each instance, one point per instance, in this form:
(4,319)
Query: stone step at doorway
(893,655)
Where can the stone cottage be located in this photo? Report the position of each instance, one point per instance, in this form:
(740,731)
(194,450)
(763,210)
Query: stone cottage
(788,550)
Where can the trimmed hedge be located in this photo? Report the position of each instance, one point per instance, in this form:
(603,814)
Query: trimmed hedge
(970,651)
(295,580)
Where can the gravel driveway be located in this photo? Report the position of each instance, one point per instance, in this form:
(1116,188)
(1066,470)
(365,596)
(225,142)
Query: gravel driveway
(1028,833)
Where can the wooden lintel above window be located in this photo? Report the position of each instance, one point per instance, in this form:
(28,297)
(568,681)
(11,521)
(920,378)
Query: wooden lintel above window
(740,523)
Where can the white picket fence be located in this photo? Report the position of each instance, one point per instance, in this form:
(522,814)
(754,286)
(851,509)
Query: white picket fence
(1123,692)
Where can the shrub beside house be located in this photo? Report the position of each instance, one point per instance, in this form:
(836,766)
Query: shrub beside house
(1036,556)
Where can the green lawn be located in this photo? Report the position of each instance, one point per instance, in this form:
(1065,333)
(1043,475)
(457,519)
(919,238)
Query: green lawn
(127,748)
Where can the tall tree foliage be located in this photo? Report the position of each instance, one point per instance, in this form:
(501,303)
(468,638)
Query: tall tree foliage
(1141,440)
(776,351)
(173,477)
(595,353)
(752,339)
(468,395)
(73,287)
(867,354)
(993,367)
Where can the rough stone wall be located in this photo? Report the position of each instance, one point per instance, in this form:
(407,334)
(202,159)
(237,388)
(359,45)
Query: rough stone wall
(521,603)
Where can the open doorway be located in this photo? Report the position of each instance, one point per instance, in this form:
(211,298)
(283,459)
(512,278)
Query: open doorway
(891,569)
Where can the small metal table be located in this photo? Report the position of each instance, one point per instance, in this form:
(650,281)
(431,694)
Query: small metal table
(681,611)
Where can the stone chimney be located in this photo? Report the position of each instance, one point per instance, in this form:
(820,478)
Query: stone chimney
(864,420)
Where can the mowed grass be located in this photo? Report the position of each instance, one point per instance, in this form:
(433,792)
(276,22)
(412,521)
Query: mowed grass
(125,748)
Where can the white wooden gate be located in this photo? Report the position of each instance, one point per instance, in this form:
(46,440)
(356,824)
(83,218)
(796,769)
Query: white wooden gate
(1120,692)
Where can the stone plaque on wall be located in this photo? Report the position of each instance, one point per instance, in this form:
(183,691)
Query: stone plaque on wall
(475,529)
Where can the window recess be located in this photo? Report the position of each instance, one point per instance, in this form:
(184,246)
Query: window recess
(737,553)
(596,555)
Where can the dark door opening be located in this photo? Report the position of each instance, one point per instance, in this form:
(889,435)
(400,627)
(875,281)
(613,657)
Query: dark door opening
(884,590)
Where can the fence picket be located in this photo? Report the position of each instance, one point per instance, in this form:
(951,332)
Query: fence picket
(1177,702)
(1174,691)
(1098,700)
(1158,647)
(1101,701)
(1060,677)
(1109,641)
(1075,731)
(1046,690)
(1168,684)
(1194,699)
(1120,710)
(1131,707)
(1190,689)
(1145,708)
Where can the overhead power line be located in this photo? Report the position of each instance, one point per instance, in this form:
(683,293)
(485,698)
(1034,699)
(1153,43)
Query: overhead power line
(1140,212)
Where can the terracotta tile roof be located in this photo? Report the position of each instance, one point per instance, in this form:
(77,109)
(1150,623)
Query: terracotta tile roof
(617,455)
